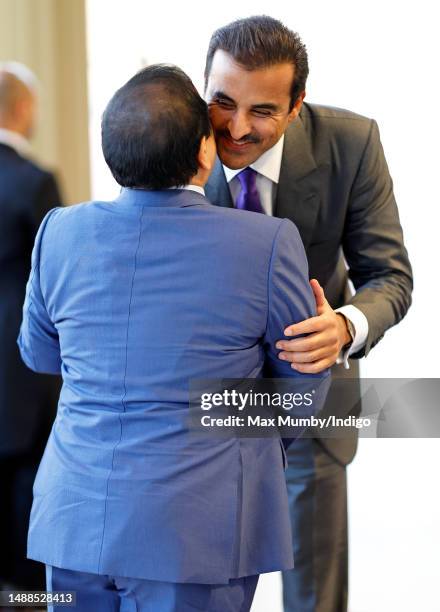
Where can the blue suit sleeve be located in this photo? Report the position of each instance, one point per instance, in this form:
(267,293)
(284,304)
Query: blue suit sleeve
(38,339)
(290,297)
(290,300)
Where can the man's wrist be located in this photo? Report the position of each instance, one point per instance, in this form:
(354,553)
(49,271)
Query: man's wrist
(347,334)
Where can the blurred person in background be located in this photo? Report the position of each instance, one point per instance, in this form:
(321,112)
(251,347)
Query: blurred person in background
(27,400)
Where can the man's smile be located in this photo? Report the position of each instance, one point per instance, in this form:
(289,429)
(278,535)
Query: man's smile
(236,145)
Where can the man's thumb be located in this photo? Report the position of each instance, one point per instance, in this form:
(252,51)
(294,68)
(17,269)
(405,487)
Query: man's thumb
(318,292)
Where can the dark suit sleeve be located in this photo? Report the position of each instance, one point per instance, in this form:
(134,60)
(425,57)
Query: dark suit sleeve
(38,338)
(47,197)
(373,245)
(290,300)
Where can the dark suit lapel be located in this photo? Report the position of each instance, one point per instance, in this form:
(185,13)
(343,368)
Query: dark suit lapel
(217,189)
(298,188)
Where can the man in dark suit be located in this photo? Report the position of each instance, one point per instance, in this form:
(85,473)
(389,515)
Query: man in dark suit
(27,401)
(324,169)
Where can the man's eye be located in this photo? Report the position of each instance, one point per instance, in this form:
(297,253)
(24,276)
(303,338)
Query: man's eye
(262,113)
(224,104)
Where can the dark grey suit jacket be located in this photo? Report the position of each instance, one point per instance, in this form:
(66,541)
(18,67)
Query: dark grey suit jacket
(335,186)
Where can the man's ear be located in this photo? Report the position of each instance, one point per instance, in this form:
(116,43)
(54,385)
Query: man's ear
(296,107)
(204,156)
(201,156)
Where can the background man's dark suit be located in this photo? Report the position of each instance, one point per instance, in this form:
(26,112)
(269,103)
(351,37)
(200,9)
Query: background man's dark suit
(335,186)
(27,400)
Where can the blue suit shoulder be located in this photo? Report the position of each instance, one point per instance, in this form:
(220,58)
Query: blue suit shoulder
(244,217)
(255,233)
(251,225)
(238,221)
(58,223)
(72,213)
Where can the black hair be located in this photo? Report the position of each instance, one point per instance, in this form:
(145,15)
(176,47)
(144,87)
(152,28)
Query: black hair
(152,129)
(260,42)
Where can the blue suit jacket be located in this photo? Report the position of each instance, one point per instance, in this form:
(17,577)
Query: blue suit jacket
(130,300)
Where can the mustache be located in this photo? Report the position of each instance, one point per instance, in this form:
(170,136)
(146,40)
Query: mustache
(249,138)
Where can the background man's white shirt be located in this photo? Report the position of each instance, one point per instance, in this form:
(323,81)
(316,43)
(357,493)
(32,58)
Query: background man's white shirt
(15,141)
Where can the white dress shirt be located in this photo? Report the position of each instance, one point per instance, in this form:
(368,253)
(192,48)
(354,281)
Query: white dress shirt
(15,141)
(268,167)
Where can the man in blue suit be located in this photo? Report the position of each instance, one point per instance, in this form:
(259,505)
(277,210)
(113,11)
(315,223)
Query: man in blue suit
(130,300)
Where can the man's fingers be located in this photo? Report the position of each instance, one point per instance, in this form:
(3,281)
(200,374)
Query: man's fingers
(306,357)
(310,343)
(314,324)
(311,368)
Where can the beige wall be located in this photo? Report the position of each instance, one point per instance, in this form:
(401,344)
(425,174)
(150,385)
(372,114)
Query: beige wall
(49,36)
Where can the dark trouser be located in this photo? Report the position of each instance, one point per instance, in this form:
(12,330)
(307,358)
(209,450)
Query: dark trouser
(317,488)
(95,593)
(17,474)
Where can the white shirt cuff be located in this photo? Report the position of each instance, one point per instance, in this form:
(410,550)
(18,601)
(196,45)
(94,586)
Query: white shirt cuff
(360,324)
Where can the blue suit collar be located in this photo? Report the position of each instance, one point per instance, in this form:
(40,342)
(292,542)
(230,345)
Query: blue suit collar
(178,198)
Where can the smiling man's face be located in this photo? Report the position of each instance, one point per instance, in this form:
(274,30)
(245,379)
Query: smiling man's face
(249,110)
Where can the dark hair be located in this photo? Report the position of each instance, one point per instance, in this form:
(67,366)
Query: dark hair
(152,128)
(260,42)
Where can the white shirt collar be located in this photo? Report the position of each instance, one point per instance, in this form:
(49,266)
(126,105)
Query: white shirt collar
(268,164)
(192,188)
(15,141)
(195,188)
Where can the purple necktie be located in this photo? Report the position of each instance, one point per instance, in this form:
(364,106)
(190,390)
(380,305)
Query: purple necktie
(249,198)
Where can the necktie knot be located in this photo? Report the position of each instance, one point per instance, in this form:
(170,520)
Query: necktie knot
(249,198)
(248,179)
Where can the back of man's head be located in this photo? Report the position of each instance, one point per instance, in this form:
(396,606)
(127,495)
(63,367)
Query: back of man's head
(18,90)
(152,129)
(260,42)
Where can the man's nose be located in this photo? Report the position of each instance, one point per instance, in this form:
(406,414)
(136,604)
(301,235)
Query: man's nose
(239,125)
